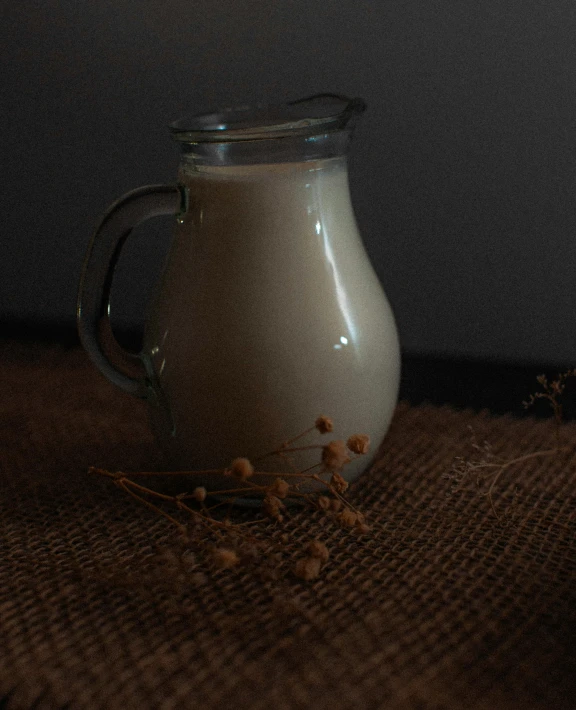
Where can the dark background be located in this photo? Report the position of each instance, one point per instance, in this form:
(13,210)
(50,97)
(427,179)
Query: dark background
(463,169)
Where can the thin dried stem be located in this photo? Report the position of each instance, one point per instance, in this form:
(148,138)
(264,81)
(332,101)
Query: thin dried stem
(303,448)
(283,447)
(145,489)
(127,484)
(338,495)
(226,491)
(150,505)
(207,472)
(499,467)
(297,474)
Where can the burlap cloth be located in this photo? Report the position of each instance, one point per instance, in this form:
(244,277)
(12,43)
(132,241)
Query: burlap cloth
(442,605)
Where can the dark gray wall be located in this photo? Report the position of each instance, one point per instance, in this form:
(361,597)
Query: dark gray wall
(463,171)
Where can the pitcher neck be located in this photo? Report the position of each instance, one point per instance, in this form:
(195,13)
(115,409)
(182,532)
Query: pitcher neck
(292,149)
(308,170)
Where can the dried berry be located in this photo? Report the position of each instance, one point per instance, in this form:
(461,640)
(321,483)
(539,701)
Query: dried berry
(241,469)
(280,488)
(338,483)
(318,549)
(324,425)
(308,568)
(335,505)
(347,518)
(335,455)
(200,494)
(224,558)
(273,507)
(359,443)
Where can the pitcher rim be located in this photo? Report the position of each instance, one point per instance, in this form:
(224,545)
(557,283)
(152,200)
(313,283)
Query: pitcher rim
(312,115)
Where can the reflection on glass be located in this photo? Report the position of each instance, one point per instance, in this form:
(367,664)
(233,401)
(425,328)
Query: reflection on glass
(341,294)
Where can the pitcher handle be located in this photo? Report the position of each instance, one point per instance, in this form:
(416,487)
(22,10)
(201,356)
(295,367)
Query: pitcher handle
(121,367)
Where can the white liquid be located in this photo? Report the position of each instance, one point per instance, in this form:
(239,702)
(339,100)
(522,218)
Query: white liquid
(269,315)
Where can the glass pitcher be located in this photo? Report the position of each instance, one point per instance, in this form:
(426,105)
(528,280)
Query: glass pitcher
(268,312)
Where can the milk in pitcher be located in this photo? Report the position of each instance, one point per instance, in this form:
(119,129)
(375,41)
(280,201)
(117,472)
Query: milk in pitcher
(269,316)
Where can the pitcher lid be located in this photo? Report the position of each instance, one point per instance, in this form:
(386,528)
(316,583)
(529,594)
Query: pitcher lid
(316,114)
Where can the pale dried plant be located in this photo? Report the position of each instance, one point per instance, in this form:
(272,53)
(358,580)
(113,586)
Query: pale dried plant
(226,542)
(486,467)
(551,392)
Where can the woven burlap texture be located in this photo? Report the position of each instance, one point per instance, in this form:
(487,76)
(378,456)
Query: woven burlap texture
(442,605)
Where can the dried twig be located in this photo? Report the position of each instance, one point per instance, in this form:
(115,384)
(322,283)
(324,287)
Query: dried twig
(326,474)
(489,467)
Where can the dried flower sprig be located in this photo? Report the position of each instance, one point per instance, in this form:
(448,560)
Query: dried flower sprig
(551,391)
(230,540)
(490,470)
(487,468)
